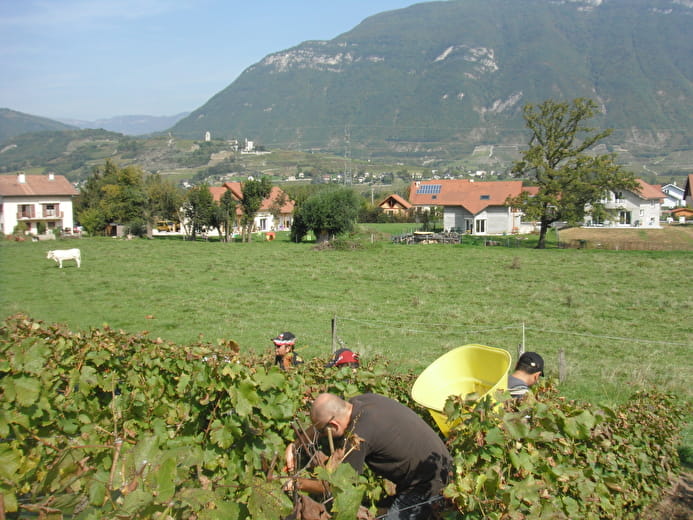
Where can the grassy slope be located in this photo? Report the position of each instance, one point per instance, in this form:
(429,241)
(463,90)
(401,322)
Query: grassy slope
(622,318)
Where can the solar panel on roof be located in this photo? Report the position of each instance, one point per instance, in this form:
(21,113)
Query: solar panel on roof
(428,189)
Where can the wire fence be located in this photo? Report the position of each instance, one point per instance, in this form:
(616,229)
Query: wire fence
(578,357)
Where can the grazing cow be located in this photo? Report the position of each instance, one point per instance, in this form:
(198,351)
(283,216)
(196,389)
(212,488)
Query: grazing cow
(60,255)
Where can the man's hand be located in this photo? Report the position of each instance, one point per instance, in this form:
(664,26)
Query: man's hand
(290,458)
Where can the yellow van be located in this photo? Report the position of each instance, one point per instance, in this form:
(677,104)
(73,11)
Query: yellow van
(166,225)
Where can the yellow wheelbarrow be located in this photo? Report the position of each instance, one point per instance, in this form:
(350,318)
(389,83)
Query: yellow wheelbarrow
(471,371)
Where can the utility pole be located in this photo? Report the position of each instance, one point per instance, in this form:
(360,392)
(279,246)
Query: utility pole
(347,156)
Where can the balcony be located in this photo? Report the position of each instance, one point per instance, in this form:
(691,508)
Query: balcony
(46,215)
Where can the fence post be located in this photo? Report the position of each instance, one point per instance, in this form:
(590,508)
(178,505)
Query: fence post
(334,334)
(562,368)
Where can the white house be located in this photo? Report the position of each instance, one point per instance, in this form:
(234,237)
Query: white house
(630,209)
(673,196)
(36,199)
(472,207)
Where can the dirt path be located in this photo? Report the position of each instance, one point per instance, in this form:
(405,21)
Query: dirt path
(677,503)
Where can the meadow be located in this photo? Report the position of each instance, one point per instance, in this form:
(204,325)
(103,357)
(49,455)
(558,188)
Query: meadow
(620,319)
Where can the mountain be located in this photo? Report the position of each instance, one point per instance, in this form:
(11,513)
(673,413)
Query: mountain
(14,123)
(131,125)
(436,79)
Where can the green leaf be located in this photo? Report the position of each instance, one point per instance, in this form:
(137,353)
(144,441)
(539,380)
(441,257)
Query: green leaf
(246,397)
(27,390)
(35,358)
(182,385)
(579,426)
(10,462)
(495,436)
(273,379)
(226,510)
(97,493)
(166,480)
(10,501)
(135,501)
(516,425)
(347,502)
(267,500)
(88,378)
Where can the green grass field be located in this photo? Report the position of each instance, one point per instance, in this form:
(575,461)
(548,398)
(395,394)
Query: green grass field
(622,319)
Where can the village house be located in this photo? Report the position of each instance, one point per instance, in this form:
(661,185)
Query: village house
(631,209)
(394,205)
(472,207)
(42,202)
(673,196)
(276,211)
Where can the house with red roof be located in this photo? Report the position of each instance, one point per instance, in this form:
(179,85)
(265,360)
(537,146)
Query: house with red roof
(276,211)
(469,206)
(394,205)
(632,209)
(36,200)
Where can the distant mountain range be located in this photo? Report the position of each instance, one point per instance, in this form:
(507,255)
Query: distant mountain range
(16,123)
(438,78)
(131,125)
(13,123)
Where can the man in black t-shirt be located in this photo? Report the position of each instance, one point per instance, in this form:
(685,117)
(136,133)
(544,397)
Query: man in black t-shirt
(390,439)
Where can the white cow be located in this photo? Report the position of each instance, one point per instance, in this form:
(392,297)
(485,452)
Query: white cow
(60,255)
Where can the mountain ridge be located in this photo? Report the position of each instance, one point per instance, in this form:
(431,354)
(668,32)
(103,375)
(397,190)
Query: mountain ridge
(452,75)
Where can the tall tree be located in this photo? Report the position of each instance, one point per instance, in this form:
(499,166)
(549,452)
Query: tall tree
(254,192)
(164,200)
(558,163)
(227,210)
(198,209)
(113,194)
(327,214)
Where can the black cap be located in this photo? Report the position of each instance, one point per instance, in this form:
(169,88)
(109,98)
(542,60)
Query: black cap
(285,338)
(531,362)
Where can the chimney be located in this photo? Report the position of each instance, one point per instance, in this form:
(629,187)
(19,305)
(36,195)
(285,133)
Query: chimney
(21,178)
(51,176)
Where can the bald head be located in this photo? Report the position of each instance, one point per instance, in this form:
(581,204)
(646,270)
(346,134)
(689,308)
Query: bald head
(328,407)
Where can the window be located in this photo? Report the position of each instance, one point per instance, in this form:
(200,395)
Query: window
(50,210)
(263,224)
(624,217)
(485,197)
(480,226)
(25,211)
(642,212)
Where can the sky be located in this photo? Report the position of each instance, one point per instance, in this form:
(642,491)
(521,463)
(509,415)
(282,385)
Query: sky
(96,59)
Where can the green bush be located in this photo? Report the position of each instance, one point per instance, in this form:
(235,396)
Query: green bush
(102,424)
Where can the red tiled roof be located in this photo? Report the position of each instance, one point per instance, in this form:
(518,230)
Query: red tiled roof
(237,192)
(473,196)
(35,185)
(397,200)
(648,191)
